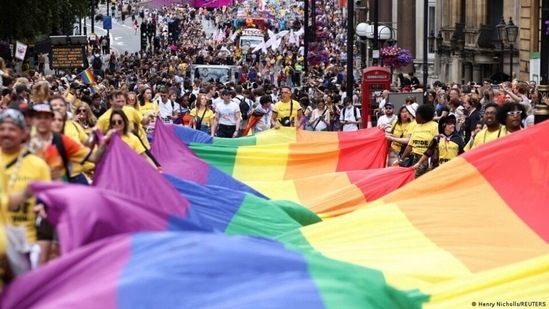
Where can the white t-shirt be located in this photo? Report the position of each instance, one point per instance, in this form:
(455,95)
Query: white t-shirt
(347,114)
(165,110)
(386,122)
(228,113)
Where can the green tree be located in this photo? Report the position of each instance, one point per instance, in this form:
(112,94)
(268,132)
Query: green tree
(24,20)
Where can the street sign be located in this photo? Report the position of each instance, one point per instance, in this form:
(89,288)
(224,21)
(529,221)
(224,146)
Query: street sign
(67,57)
(107,22)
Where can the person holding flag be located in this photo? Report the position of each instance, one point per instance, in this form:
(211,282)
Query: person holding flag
(260,116)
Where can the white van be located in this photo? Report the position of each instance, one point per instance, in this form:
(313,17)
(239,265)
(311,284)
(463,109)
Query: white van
(211,72)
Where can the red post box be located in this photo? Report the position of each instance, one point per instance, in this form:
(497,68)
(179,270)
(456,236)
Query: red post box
(374,81)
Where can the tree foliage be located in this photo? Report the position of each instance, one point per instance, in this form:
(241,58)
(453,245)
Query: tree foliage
(24,20)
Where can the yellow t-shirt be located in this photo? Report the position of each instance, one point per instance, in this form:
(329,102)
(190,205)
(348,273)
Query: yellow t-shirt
(32,168)
(148,109)
(77,133)
(208,116)
(422,136)
(447,150)
(485,136)
(77,101)
(134,118)
(134,143)
(283,110)
(399,131)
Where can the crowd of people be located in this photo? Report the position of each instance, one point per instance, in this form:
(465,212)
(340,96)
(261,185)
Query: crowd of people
(50,124)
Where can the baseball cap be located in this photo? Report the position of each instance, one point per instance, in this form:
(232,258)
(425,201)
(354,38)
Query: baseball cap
(14,116)
(42,108)
(226,92)
(389,104)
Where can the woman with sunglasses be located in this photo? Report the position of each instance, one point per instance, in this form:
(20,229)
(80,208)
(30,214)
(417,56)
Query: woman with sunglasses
(132,100)
(120,123)
(84,116)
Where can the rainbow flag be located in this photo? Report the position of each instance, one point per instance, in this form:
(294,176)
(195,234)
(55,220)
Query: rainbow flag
(345,191)
(330,153)
(349,190)
(474,229)
(274,136)
(200,270)
(87,77)
(177,160)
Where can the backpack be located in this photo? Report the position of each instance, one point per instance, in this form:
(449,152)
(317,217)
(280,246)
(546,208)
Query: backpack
(244,108)
(354,112)
(97,64)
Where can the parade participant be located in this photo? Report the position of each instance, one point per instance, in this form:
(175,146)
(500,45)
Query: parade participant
(493,130)
(510,115)
(445,146)
(118,102)
(202,116)
(260,116)
(350,116)
(119,122)
(20,167)
(227,116)
(421,137)
(286,112)
(401,131)
(320,117)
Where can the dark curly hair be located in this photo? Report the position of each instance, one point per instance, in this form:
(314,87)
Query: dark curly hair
(508,107)
(426,112)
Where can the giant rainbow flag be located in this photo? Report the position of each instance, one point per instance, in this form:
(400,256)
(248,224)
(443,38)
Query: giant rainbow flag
(200,270)
(475,229)
(472,231)
(327,194)
(335,152)
(179,161)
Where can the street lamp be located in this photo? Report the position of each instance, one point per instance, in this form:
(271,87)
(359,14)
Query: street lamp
(511,31)
(362,32)
(501,38)
(439,39)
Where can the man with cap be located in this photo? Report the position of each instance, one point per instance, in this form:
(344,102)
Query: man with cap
(20,167)
(445,146)
(60,152)
(386,121)
(227,116)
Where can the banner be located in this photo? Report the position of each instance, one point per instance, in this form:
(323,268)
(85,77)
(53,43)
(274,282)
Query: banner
(20,51)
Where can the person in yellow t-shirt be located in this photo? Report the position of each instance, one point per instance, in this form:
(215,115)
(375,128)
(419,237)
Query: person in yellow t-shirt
(445,146)
(401,131)
(146,105)
(20,169)
(493,129)
(202,116)
(286,112)
(117,100)
(75,131)
(421,137)
(119,122)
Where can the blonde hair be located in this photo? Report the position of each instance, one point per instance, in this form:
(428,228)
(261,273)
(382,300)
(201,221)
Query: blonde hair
(40,92)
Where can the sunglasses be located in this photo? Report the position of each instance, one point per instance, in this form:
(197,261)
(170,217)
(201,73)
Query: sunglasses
(82,111)
(117,122)
(514,113)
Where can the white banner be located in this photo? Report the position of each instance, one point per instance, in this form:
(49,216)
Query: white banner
(20,51)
